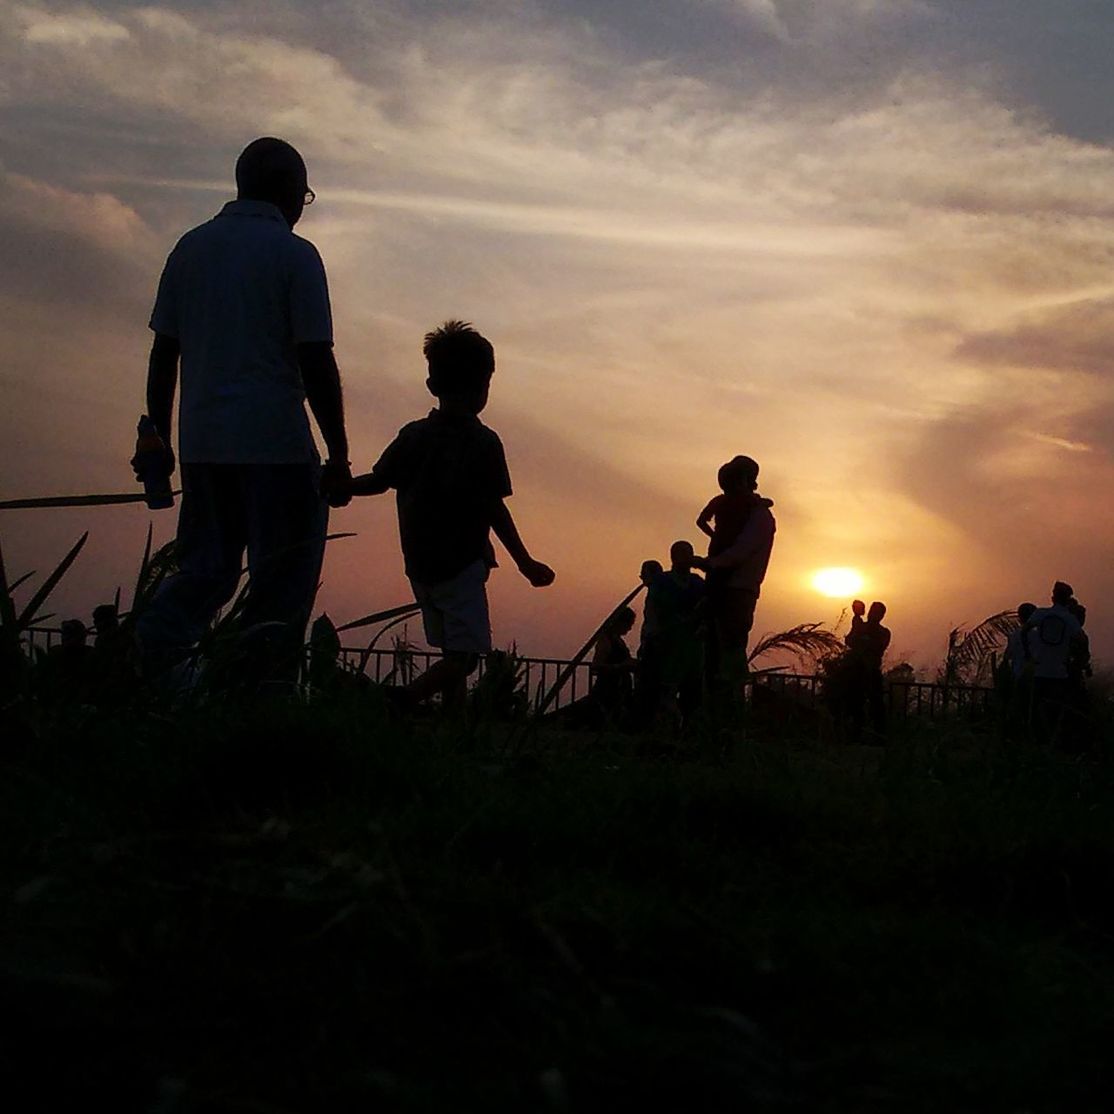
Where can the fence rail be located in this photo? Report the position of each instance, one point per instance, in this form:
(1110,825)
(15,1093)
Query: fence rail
(904,699)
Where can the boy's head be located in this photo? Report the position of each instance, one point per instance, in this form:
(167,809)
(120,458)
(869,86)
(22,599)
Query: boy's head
(680,556)
(649,570)
(622,622)
(1025,611)
(858,608)
(739,474)
(461,362)
(73,633)
(876,613)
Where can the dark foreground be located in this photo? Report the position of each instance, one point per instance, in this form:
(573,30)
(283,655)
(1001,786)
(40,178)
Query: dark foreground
(317,910)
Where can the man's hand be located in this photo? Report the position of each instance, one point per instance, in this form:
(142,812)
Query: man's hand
(700,563)
(539,575)
(153,461)
(336,483)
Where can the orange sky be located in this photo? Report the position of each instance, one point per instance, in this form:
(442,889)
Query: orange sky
(881,267)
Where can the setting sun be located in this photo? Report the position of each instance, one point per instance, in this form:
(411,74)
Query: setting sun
(837,582)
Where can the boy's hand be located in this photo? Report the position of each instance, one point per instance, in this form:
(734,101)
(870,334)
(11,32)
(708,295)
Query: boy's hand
(539,575)
(336,483)
(700,563)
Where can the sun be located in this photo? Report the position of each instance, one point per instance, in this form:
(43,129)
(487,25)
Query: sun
(837,582)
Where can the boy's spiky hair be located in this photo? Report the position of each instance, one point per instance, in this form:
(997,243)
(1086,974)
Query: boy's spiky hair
(459,357)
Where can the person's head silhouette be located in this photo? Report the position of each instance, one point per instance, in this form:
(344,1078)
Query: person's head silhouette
(1062,593)
(680,556)
(1025,611)
(269,169)
(461,363)
(649,570)
(73,633)
(622,622)
(105,618)
(739,474)
(876,613)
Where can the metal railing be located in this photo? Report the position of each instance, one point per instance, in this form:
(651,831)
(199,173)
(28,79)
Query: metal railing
(535,677)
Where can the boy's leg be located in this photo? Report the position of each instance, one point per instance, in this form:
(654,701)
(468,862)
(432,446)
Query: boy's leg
(456,619)
(210,546)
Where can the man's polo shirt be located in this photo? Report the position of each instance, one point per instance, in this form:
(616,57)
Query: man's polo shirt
(239,293)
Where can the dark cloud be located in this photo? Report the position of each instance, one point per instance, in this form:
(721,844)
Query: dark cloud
(1078,337)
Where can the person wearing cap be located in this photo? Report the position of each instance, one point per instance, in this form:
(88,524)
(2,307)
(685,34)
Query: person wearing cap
(242,316)
(741,532)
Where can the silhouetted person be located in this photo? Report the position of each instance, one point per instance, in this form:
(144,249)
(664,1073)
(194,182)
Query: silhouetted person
(67,673)
(1053,636)
(738,556)
(451,478)
(858,620)
(612,668)
(647,678)
(1016,656)
(678,598)
(243,307)
(866,648)
(106,624)
(1079,663)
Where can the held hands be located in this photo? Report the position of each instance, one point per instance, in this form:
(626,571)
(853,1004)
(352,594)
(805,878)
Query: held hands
(539,575)
(336,483)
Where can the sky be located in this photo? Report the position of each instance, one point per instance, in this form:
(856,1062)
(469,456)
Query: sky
(869,243)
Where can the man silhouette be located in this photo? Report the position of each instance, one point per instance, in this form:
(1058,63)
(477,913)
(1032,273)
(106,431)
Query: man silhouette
(243,308)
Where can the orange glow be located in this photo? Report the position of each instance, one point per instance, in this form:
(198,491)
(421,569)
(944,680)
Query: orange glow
(837,582)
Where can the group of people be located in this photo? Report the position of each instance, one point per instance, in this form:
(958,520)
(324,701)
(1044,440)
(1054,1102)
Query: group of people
(695,628)
(1046,664)
(242,321)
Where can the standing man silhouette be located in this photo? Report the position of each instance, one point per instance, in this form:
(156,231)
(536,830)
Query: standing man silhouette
(243,310)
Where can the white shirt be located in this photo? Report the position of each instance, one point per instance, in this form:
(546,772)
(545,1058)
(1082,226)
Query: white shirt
(239,292)
(1052,634)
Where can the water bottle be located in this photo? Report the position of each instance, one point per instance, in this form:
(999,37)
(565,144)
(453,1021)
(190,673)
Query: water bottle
(150,456)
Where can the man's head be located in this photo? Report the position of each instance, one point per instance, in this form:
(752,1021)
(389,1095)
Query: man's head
(876,613)
(461,363)
(1062,593)
(739,474)
(1025,611)
(105,618)
(73,633)
(649,570)
(269,169)
(680,556)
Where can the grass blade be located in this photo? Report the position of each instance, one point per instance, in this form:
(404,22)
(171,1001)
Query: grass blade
(380,617)
(74,501)
(51,582)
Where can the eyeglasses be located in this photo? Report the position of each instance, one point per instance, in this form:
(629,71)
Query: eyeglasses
(311,197)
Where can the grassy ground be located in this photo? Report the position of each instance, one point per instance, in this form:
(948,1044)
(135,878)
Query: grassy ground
(314,909)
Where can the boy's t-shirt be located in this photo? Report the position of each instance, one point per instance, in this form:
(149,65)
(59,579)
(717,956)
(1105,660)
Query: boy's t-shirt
(729,513)
(448,472)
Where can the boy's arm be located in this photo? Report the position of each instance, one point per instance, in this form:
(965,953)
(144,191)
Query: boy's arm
(539,575)
(703,519)
(369,484)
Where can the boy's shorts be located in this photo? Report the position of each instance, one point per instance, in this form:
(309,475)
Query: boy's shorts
(455,613)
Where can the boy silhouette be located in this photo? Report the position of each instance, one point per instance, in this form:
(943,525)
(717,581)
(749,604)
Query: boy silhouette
(450,476)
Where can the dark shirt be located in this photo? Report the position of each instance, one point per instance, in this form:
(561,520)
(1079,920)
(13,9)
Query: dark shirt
(869,644)
(449,472)
(729,514)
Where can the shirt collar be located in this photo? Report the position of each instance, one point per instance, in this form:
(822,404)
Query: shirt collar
(246,208)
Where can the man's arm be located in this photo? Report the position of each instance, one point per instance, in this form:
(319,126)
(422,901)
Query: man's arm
(321,379)
(539,575)
(162,381)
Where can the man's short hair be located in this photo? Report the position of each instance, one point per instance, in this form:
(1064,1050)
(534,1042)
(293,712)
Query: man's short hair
(459,358)
(738,470)
(877,609)
(1061,592)
(681,550)
(268,168)
(1025,611)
